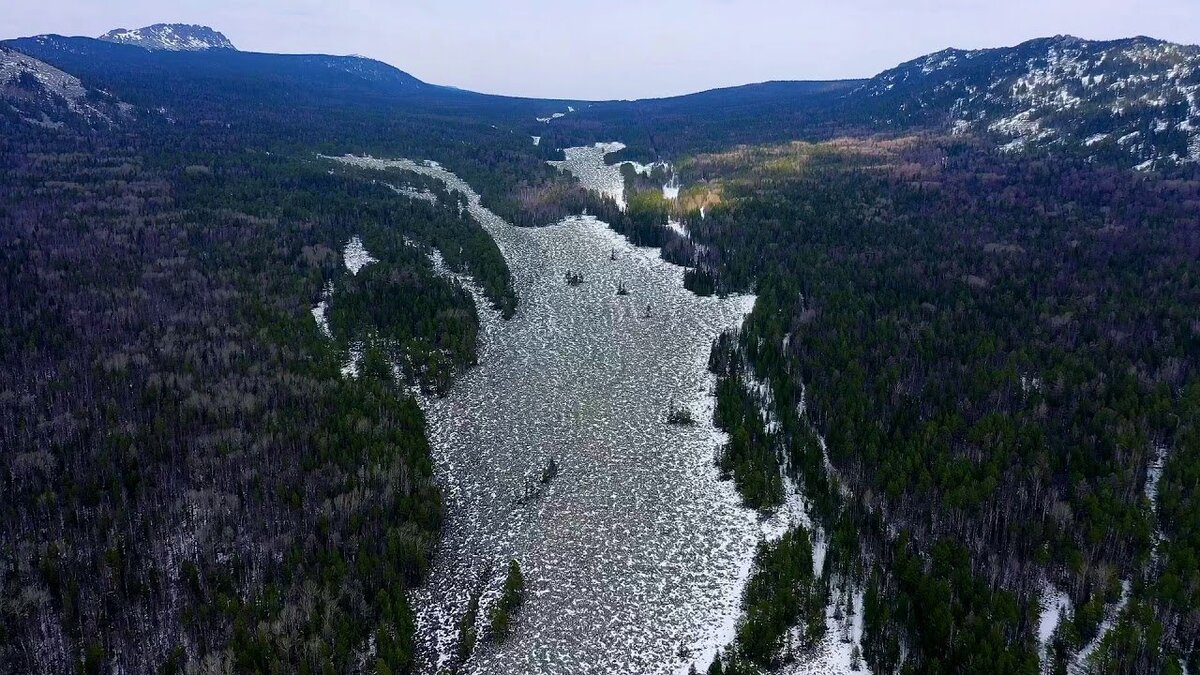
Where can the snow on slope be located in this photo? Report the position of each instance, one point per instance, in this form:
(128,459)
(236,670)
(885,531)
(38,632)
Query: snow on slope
(1137,100)
(171,37)
(320,311)
(1082,663)
(557,115)
(41,93)
(356,256)
(1053,605)
(588,165)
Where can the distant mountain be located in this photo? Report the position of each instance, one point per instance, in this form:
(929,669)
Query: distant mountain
(1136,101)
(170,37)
(364,69)
(1132,102)
(210,78)
(40,94)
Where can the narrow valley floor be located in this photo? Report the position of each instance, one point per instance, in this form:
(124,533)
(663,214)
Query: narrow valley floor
(635,554)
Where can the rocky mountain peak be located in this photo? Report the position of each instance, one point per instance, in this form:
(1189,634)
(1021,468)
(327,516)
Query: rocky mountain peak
(175,37)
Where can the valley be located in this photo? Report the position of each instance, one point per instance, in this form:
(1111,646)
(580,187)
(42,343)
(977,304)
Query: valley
(888,375)
(634,551)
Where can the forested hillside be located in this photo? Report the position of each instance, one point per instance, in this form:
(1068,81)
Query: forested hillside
(973,361)
(188,476)
(197,473)
(996,351)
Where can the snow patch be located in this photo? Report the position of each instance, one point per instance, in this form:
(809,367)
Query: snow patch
(554,116)
(1128,138)
(587,164)
(671,189)
(678,228)
(55,83)
(356,256)
(837,651)
(354,359)
(1081,664)
(320,311)
(1053,605)
(413,193)
(1154,473)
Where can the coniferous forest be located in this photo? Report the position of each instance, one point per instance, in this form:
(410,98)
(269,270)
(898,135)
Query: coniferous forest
(979,366)
(994,351)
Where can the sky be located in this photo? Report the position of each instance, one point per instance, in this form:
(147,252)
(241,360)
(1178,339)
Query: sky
(593,49)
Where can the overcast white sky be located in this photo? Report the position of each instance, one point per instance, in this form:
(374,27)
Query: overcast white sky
(592,49)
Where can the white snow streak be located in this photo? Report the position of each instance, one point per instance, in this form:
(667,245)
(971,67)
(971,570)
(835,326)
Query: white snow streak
(356,256)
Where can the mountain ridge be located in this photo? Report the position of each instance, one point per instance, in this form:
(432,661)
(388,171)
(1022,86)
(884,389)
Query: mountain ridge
(965,405)
(174,37)
(1132,101)
(43,95)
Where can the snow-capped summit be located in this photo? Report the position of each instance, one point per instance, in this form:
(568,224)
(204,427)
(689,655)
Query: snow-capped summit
(172,37)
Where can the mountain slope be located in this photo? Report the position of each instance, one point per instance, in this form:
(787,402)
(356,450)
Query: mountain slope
(705,121)
(40,94)
(172,37)
(986,340)
(1136,101)
(219,69)
(224,85)
(1133,102)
